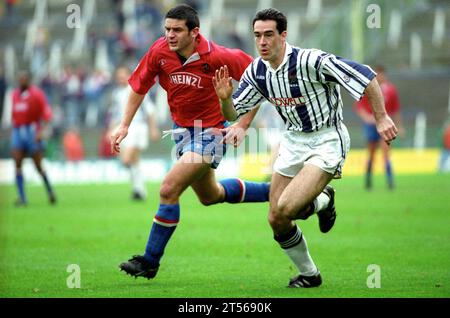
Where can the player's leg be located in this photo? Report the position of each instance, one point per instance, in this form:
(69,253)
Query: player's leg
(189,168)
(18,156)
(208,190)
(19,137)
(371,150)
(305,194)
(130,157)
(373,139)
(235,190)
(388,164)
(290,237)
(37,157)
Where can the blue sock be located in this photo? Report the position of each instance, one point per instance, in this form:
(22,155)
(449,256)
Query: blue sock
(164,224)
(389,174)
(237,191)
(20,187)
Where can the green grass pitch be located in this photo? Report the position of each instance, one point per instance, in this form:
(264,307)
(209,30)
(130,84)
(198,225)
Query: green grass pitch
(227,250)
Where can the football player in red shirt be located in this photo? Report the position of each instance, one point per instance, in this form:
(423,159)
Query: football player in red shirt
(185,63)
(30,117)
(364,111)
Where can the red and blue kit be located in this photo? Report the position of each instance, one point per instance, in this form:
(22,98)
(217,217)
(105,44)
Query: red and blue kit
(190,92)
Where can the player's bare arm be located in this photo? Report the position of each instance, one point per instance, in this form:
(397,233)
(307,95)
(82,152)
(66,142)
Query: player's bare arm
(224,88)
(133,103)
(385,126)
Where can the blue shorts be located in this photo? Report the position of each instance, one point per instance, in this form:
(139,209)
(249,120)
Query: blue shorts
(371,133)
(23,138)
(204,141)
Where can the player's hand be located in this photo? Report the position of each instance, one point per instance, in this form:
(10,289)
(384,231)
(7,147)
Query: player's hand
(234,135)
(386,128)
(222,83)
(117,137)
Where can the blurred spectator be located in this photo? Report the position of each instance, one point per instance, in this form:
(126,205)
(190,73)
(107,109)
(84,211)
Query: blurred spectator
(71,89)
(47,84)
(363,109)
(3,87)
(73,145)
(93,88)
(38,57)
(118,13)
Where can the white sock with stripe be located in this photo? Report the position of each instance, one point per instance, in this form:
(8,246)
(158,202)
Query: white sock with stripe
(295,246)
(321,202)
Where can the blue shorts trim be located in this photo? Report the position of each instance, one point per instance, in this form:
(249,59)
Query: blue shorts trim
(204,141)
(23,138)
(371,133)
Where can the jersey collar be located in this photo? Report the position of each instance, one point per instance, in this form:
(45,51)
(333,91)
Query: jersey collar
(203,47)
(287,53)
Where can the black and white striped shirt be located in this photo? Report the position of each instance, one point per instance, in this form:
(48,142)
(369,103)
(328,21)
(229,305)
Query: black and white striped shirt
(305,88)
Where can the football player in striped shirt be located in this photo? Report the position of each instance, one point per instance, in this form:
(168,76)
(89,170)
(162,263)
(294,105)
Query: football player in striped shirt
(304,87)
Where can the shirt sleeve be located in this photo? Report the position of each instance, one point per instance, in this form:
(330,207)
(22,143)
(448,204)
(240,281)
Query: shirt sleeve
(247,96)
(354,77)
(143,77)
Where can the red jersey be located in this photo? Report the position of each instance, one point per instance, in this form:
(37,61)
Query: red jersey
(29,106)
(391,101)
(190,92)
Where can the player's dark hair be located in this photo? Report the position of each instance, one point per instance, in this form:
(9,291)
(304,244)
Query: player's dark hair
(184,12)
(272,14)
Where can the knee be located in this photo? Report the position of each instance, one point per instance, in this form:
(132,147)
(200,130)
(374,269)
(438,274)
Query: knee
(277,221)
(286,208)
(169,191)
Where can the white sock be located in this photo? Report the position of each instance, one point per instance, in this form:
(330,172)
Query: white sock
(299,254)
(321,202)
(137,180)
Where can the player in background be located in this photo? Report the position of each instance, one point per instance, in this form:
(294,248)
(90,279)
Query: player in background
(303,86)
(31,115)
(444,162)
(143,126)
(184,62)
(374,141)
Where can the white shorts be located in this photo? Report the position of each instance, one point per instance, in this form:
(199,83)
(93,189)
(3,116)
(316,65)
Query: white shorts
(137,137)
(326,149)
